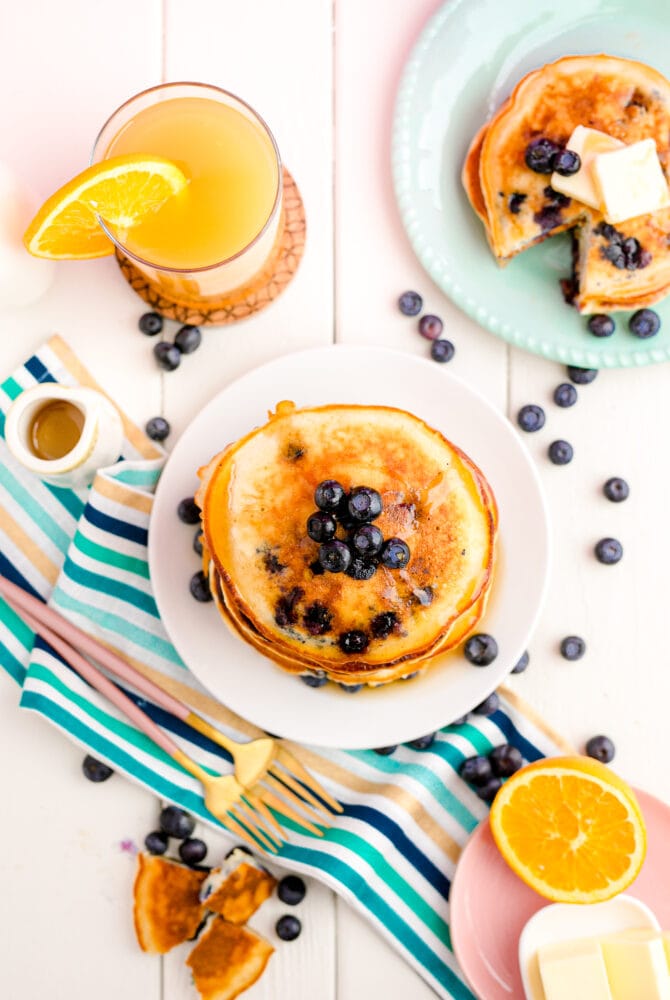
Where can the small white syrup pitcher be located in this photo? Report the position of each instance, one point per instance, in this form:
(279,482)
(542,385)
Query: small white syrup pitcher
(96,444)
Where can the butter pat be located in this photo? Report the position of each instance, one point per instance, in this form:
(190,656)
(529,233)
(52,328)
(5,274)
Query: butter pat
(636,966)
(587,143)
(630,181)
(574,970)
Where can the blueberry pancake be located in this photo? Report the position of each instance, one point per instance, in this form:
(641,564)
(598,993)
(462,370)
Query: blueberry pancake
(364,585)
(620,267)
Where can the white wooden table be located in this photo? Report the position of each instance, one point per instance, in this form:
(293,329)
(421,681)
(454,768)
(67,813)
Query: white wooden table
(324,74)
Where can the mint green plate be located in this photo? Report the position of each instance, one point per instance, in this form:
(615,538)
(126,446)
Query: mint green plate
(465,63)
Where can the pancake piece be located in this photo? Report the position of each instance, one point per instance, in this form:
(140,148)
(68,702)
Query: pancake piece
(257,495)
(237,888)
(167,907)
(227,960)
(622,98)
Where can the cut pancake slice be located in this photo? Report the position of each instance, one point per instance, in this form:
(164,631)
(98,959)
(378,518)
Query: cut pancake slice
(227,960)
(237,888)
(167,907)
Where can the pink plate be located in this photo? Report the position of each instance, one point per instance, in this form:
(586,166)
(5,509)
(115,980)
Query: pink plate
(489,904)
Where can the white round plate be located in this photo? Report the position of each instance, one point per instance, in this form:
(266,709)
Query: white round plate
(252,685)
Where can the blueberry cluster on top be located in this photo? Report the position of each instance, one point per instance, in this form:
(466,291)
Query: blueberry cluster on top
(364,547)
(544,156)
(621,250)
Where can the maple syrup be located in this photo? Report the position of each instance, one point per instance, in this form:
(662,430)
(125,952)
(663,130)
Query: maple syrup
(55,429)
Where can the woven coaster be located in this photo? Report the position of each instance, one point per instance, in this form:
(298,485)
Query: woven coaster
(248,299)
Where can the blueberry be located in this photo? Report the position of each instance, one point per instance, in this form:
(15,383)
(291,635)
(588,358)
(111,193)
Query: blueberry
(505,760)
(572,647)
(364,504)
(95,770)
(460,721)
(521,665)
(410,303)
(329,495)
(515,202)
(367,540)
(197,542)
(199,587)
(430,327)
(395,553)
(288,928)
(560,452)
(423,742)
(291,890)
(192,851)
(644,323)
(316,568)
(608,551)
(481,649)
(601,325)
(616,489)
(355,641)
(531,418)
(581,376)
(361,568)
(157,428)
(156,842)
(286,612)
(601,748)
(188,339)
(489,705)
(565,395)
(150,323)
(188,511)
(489,791)
(442,351)
(383,624)
(317,619)
(314,680)
(334,556)
(386,751)
(567,163)
(351,688)
(555,199)
(615,254)
(167,355)
(476,770)
(321,527)
(177,823)
(540,154)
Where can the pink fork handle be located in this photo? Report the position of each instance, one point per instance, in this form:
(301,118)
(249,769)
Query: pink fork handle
(102,684)
(115,664)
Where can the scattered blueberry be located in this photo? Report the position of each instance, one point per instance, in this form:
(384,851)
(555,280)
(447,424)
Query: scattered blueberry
(608,551)
(361,568)
(601,325)
(459,722)
(288,928)
(188,339)
(156,842)
(317,619)
(565,395)
(581,376)
(560,452)
(321,527)
(329,495)
(167,355)
(383,624)
(355,641)
(199,587)
(364,504)
(572,647)
(334,556)
(489,705)
(157,428)
(410,303)
(540,155)
(291,890)
(423,742)
(150,323)
(489,791)
(476,770)
(531,418)
(192,851)
(314,680)
(430,327)
(351,688)
(644,323)
(95,770)
(567,163)
(505,760)
(188,511)
(442,351)
(616,489)
(197,542)
(601,748)
(521,665)
(386,751)
(395,553)
(481,649)
(177,823)
(367,540)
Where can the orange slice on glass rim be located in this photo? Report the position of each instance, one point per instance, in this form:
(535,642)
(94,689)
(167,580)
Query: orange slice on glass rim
(570,828)
(121,191)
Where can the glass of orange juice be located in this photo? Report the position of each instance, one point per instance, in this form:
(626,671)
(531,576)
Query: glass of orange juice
(216,241)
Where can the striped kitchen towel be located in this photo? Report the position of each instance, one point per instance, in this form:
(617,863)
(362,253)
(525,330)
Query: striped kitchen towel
(406,817)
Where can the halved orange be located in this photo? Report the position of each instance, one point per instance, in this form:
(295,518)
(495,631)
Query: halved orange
(570,828)
(122,191)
